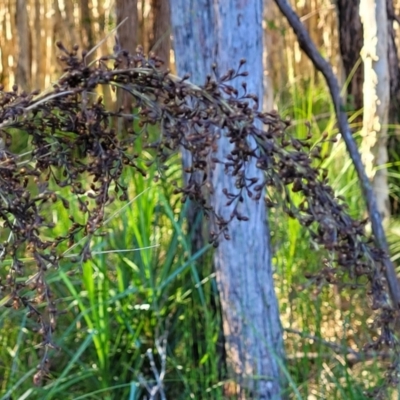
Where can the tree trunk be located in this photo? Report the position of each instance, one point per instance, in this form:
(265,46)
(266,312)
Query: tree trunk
(5,44)
(38,72)
(376,98)
(86,22)
(195,51)
(226,31)
(393,60)
(101,34)
(268,95)
(161,37)
(69,7)
(127,32)
(127,39)
(393,145)
(23,73)
(351,42)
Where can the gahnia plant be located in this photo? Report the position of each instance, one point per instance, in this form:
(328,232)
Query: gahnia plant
(75,143)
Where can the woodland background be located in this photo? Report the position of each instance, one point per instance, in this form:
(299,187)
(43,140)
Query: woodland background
(34,26)
(156,298)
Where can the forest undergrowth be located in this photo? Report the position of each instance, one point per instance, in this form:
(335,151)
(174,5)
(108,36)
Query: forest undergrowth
(101,258)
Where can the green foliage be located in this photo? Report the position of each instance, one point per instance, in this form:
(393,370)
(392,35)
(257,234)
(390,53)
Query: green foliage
(141,286)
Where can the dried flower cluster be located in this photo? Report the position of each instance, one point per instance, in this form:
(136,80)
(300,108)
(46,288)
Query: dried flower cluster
(74,144)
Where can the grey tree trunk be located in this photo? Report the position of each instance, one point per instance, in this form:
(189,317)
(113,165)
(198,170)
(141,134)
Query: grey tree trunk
(376,98)
(195,51)
(226,31)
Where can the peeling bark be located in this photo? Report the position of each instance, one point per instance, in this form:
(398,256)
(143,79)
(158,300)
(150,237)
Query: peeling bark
(376,98)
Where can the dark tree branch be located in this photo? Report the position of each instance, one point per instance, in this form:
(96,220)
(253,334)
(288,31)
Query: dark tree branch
(307,45)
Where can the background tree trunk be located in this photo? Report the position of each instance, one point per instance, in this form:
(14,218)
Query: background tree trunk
(393,60)
(128,31)
(102,32)
(350,43)
(161,37)
(268,95)
(226,31)
(127,38)
(393,144)
(6,44)
(37,72)
(23,72)
(376,98)
(69,7)
(86,23)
